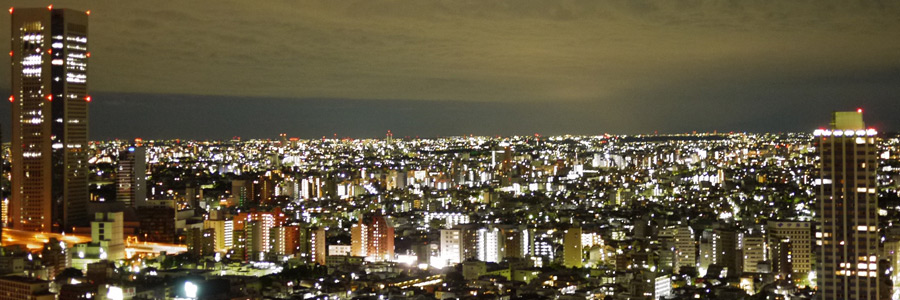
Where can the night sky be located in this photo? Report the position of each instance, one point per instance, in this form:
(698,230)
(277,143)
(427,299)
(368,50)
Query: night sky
(217,69)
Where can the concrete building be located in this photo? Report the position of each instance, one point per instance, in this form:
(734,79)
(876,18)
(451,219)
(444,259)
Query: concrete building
(107,241)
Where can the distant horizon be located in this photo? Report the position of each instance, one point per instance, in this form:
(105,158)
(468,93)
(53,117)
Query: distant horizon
(126,116)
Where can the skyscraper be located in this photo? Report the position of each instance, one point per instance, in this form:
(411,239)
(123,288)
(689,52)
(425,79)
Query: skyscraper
(131,178)
(49,119)
(847,260)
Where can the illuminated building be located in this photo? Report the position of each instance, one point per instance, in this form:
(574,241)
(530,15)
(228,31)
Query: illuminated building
(50,119)
(218,229)
(492,244)
(783,257)
(285,240)
(107,241)
(131,178)
(241,191)
(719,247)
(754,250)
(254,243)
(685,248)
(847,200)
(572,250)
(451,246)
(517,241)
(358,239)
(317,246)
(375,240)
(24,288)
(799,236)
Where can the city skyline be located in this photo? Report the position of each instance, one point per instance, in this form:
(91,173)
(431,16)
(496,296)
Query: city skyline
(452,150)
(564,68)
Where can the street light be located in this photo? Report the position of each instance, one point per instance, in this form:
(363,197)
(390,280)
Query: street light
(190,290)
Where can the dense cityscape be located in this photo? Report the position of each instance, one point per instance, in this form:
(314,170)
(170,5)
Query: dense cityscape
(738,215)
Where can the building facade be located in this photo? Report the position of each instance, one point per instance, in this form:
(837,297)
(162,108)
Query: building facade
(131,177)
(49,150)
(847,260)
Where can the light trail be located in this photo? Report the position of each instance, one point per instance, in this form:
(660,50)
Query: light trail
(36,240)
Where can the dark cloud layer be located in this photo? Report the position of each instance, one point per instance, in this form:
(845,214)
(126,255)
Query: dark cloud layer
(497,67)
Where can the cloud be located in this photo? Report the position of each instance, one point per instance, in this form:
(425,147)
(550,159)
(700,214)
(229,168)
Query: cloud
(599,53)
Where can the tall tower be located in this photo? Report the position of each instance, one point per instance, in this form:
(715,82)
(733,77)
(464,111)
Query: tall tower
(847,260)
(131,178)
(49,119)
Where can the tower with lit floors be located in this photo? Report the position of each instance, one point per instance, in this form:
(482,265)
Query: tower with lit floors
(847,259)
(49,56)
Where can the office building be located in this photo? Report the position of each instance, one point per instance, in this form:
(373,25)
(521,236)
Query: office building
(49,155)
(847,204)
(131,177)
(753,247)
(799,236)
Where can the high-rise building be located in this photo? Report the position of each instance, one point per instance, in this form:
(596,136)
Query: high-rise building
(719,247)
(492,244)
(452,246)
(460,243)
(318,249)
(285,240)
(218,228)
(131,178)
(49,119)
(374,240)
(799,236)
(753,248)
(685,248)
(847,205)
